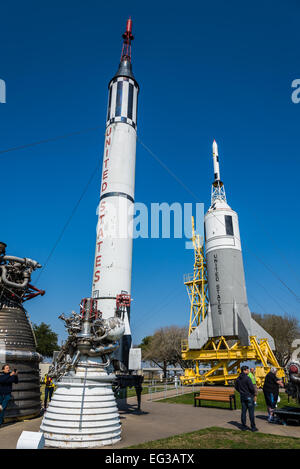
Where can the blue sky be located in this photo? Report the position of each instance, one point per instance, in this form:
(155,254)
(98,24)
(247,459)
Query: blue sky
(206,70)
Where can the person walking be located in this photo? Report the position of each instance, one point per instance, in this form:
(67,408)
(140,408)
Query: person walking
(49,388)
(271,392)
(253,379)
(7,379)
(245,387)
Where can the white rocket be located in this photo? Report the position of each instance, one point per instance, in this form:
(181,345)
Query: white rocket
(113,257)
(228,313)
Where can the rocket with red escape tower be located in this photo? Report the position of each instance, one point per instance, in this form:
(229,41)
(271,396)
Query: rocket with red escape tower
(113,257)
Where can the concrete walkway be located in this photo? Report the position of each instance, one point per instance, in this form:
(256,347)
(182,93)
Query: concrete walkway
(159,420)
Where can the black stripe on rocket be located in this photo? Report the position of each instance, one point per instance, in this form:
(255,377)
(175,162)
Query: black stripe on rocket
(122,101)
(117,194)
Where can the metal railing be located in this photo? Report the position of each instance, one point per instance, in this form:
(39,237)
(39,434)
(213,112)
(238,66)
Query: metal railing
(164,390)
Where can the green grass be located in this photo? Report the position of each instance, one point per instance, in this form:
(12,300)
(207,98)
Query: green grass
(261,405)
(222,438)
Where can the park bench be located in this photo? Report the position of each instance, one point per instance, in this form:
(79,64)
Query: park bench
(214,393)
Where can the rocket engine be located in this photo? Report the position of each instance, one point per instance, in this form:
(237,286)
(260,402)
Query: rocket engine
(89,335)
(17,340)
(83,412)
(293,386)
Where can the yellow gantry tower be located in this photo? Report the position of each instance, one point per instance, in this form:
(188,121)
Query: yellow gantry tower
(196,284)
(221,357)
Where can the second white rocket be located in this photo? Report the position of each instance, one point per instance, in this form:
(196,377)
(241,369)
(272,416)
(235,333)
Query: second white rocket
(228,313)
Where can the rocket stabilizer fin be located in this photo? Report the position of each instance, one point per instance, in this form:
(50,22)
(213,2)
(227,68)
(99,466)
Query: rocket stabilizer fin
(241,324)
(201,334)
(242,332)
(260,333)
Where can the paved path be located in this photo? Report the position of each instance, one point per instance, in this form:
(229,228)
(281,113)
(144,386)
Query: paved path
(159,420)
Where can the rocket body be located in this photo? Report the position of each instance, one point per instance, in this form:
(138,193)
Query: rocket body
(113,256)
(228,313)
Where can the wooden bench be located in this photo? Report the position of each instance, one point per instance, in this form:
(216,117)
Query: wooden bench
(214,393)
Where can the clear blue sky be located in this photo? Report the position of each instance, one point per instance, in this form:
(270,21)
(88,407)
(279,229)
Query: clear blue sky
(206,70)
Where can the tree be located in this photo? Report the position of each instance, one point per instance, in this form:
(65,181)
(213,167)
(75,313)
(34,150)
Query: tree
(46,339)
(284,330)
(164,347)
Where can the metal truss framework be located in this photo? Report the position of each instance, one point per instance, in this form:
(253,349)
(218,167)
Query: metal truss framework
(224,358)
(196,284)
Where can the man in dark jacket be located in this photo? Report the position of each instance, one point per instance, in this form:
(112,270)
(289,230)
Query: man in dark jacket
(7,378)
(247,392)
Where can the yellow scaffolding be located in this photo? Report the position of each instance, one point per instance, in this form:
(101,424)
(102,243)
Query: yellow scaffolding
(221,357)
(196,284)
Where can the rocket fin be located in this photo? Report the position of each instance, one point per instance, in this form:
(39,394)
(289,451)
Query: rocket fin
(260,333)
(202,333)
(241,324)
(243,332)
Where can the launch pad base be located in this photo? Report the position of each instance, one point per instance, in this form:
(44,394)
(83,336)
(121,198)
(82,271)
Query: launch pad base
(224,357)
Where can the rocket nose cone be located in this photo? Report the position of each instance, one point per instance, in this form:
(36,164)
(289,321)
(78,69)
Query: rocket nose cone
(215,147)
(125,69)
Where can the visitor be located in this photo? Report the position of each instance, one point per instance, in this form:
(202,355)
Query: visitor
(245,387)
(49,388)
(271,392)
(253,379)
(7,378)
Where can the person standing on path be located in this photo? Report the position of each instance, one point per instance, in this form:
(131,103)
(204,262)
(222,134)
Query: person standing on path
(253,379)
(7,378)
(271,392)
(245,387)
(49,388)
